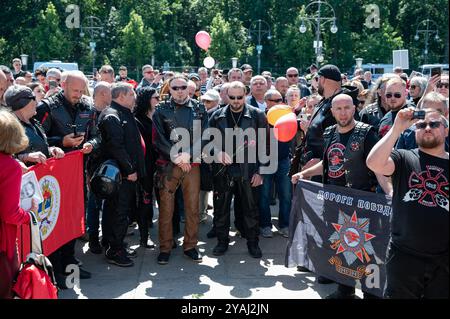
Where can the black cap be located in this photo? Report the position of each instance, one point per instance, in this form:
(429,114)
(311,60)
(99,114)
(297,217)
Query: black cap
(18,96)
(331,72)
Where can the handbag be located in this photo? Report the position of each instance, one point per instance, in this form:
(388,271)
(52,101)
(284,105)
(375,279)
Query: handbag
(36,279)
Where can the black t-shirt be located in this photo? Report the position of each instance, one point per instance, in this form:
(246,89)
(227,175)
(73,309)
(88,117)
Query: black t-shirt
(232,119)
(420,203)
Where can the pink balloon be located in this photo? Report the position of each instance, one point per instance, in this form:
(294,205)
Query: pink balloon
(286,127)
(203,40)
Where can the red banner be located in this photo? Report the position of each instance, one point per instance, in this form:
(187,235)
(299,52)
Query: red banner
(61,214)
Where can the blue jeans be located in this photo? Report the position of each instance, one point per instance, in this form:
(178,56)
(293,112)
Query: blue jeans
(284,188)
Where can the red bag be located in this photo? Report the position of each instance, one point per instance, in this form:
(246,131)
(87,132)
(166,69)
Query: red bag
(34,283)
(36,279)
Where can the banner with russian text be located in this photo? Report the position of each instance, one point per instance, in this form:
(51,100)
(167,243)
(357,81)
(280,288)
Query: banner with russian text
(340,233)
(61,214)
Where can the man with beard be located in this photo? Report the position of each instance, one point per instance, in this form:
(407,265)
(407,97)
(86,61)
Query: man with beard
(179,114)
(395,100)
(230,176)
(417,261)
(347,144)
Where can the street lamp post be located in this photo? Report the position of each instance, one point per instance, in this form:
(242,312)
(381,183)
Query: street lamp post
(24,59)
(93,26)
(260,28)
(317,20)
(427,31)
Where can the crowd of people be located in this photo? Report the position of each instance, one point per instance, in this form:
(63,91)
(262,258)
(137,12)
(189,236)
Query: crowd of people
(359,133)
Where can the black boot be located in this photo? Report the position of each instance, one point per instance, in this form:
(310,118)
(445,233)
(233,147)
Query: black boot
(94,245)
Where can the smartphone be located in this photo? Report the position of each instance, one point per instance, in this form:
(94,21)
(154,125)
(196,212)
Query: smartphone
(419,114)
(52,84)
(436,71)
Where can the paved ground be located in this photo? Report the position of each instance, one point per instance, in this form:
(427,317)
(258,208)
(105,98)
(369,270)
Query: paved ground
(234,275)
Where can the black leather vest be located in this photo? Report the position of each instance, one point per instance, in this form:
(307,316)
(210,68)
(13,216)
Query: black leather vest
(357,174)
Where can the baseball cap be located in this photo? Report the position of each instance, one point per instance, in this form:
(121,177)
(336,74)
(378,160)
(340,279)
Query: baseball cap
(211,95)
(18,96)
(331,72)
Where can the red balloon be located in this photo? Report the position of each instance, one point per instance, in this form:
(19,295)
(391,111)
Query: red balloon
(286,127)
(203,40)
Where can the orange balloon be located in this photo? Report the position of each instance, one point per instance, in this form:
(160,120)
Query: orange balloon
(286,127)
(277,111)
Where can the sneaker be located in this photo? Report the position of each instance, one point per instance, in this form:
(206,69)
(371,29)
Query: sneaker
(119,258)
(266,232)
(212,233)
(254,250)
(163,258)
(194,255)
(220,249)
(284,232)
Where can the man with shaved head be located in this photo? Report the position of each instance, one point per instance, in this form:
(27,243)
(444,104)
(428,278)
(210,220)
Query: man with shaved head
(68,119)
(342,167)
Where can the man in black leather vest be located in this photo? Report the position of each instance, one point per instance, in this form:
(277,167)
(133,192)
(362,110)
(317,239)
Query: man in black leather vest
(68,119)
(346,145)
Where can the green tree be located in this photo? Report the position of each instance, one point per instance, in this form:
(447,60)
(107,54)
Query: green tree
(228,40)
(136,43)
(49,41)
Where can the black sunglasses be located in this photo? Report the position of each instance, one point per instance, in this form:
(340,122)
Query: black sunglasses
(292,75)
(276,100)
(396,95)
(432,124)
(442,85)
(179,88)
(231,97)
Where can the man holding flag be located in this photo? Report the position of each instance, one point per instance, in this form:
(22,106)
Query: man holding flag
(347,144)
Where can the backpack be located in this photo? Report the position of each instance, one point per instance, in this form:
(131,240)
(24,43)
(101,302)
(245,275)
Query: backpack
(36,279)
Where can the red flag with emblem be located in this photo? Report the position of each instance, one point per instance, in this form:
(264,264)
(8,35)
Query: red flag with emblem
(61,214)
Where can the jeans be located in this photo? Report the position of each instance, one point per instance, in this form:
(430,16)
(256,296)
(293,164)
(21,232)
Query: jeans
(283,185)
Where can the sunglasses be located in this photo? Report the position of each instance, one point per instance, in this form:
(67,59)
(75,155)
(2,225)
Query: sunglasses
(276,100)
(396,95)
(149,72)
(292,75)
(431,124)
(179,88)
(412,87)
(442,85)
(231,97)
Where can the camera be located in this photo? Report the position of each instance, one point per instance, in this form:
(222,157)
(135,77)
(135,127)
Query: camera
(419,114)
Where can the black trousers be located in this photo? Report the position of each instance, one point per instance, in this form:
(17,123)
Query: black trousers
(118,209)
(247,196)
(63,256)
(413,277)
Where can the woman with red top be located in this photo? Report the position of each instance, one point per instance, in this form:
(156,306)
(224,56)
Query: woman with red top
(12,140)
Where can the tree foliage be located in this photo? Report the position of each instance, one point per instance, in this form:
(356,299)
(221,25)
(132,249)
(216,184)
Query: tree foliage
(139,30)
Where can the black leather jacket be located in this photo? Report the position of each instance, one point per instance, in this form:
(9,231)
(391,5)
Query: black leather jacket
(252,118)
(121,140)
(320,120)
(170,117)
(58,117)
(372,114)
